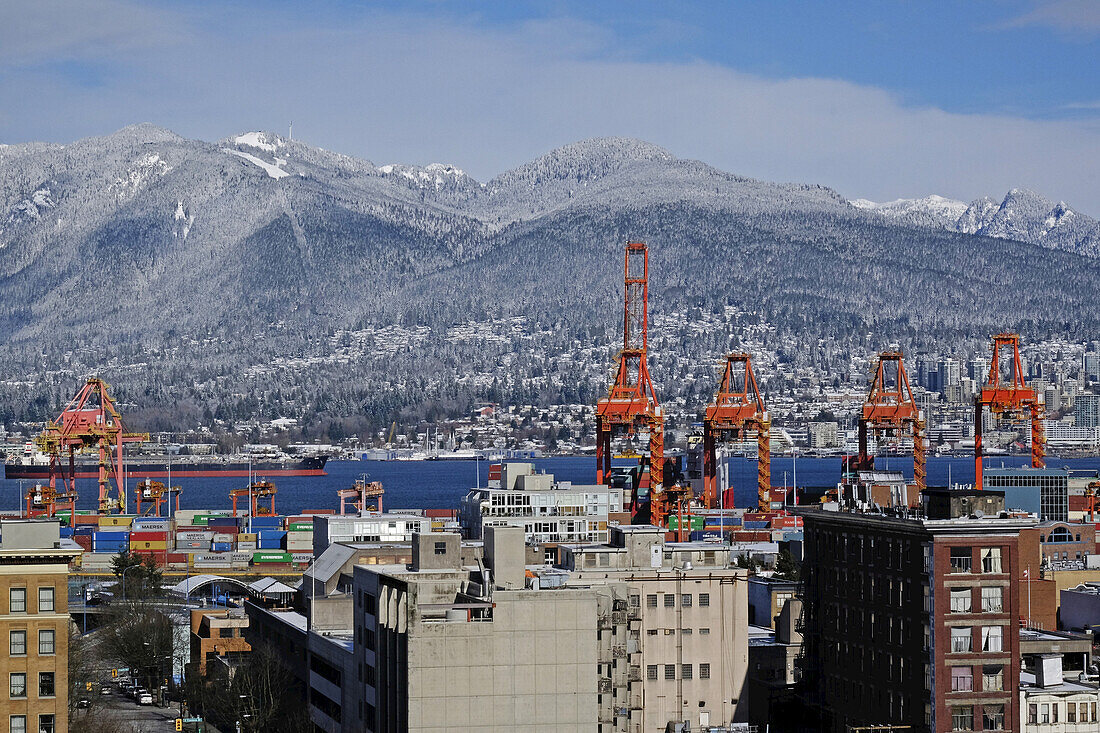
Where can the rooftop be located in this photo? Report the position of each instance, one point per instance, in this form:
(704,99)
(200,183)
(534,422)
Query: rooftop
(1069,684)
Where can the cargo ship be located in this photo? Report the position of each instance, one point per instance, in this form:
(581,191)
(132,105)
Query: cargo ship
(37,468)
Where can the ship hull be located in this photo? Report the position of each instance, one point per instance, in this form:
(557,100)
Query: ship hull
(140,470)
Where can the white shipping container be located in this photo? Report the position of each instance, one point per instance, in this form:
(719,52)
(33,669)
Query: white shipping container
(223,537)
(242,546)
(194,536)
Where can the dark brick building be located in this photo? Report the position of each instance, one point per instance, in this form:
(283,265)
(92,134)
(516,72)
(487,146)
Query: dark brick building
(912,621)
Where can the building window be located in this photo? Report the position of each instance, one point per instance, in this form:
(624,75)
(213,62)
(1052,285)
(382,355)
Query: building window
(635,601)
(651,632)
(670,671)
(1032,714)
(17,723)
(17,644)
(991,638)
(961,639)
(704,599)
(993,678)
(45,599)
(46,724)
(670,600)
(651,600)
(961,558)
(993,717)
(17,598)
(45,641)
(685,600)
(962,679)
(991,559)
(1071,712)
(1044,713)
(18,684)
(651,672)
(960,600)
(962,718)
(441,548)
(992,599)
(704,631)
(1054,712)
(45,684)
(704,671)
(685,671)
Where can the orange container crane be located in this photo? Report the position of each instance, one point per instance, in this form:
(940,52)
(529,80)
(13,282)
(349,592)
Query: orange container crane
(44,501)
(359,495)
(156,493)
(89,422)
(253,494)
(1008,399)
(1090,499)
(737,411)
(631,404)
(891,410)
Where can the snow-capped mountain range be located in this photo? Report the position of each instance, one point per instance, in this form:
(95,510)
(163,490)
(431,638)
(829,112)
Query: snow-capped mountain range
(1022,215)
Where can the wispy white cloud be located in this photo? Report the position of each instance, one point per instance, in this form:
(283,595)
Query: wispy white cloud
(397,88)
(1083,105)
(1076,17)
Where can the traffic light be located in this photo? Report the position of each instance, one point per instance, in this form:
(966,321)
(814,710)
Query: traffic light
(88,686)
(179,723)
(114,673)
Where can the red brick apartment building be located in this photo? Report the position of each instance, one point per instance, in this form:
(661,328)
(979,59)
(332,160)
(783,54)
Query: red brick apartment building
(913,620)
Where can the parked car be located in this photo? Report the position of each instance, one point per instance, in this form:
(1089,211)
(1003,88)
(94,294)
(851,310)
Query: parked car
(83,703)
(105,690)
(145,699)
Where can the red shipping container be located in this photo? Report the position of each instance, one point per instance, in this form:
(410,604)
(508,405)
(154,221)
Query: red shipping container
(177,557)
(318,511)
(87,519)
(441,513)
(84,540)
(148,537)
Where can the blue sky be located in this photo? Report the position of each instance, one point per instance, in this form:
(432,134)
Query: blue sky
(877,99)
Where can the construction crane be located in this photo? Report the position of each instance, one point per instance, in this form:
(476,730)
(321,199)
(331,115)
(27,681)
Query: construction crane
(89,422)
(736,412)
(1090,498)
(890,410)
(44,501)
(359,493)
(1008,399)
(253,494)
(631,404)
(155,493)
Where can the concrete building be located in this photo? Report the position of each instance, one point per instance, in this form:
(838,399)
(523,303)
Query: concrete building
(1041,491)
(773,667)
(824,435)
(441,648)
(34,593)
(1079,608)
(767,596)
(548,511)
(1062,434)
(684,626)
(1086,410)
(369,527)
(912,621)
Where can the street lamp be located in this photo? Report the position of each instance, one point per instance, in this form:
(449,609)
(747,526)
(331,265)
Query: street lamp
(132,567)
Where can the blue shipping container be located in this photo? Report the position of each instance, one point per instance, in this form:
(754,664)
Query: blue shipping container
(124,535)
(271,544)
(706,534)
(271,533)
(222,547)
(756,525)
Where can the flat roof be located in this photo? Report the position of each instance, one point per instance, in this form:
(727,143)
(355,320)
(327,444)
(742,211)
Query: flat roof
(1069,684)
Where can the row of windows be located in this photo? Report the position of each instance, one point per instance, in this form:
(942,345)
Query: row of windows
(993,679)
(17,642)
(962,638)
(1046,713)
(992,599)
(962,559)
(993,717)
(17,599)
(670,632)
(686,600)
(17,685)
(687,671)
(18,724)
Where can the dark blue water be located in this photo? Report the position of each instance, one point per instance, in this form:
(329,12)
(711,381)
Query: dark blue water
(440,484)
